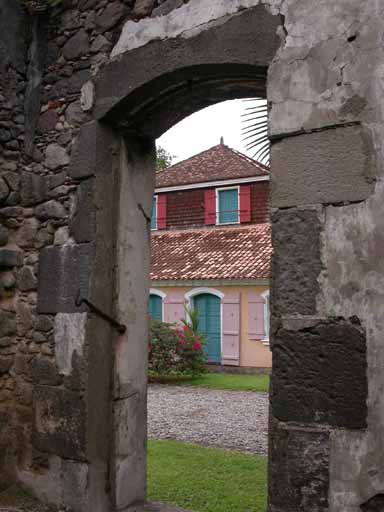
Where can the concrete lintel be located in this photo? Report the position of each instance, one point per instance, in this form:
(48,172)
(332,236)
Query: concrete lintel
(187,21)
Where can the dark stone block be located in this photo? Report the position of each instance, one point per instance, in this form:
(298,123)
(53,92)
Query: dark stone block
(4,234)
(44,371)
(375,504)
(320,375)
(50,210)
(59,422)
(83,223)
(7,449)
(67,86)
(5,364)
(26,279)
(296,263)
(63,272)
(299,471)
(10,258)
(7,323)
(166,7)
(33,189)
(111,15)
(48,121)
(93,151)
(76,46)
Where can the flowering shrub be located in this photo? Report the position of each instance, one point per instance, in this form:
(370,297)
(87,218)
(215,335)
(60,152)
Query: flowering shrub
(175,351)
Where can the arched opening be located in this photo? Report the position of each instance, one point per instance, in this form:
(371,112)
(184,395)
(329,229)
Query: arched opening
(198,72)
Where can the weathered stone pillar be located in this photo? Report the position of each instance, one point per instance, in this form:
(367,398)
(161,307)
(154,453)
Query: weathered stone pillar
(327,126)
(128,457)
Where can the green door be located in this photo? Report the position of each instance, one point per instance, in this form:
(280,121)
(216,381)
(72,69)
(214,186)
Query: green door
(156,307)
(208,308)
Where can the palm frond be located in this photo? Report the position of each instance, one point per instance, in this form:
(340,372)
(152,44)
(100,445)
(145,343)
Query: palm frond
(255,129)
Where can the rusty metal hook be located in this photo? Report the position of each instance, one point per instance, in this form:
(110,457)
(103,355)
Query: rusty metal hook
(79,301)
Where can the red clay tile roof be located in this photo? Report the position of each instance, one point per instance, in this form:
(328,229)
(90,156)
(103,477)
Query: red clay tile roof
(217,163)
(219,253)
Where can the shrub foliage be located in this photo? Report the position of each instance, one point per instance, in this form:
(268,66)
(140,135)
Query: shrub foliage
(175,351)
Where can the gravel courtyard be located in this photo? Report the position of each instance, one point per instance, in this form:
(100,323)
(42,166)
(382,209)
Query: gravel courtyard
(235,420)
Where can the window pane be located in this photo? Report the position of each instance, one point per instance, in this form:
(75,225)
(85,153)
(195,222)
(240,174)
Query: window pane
(154,214)
(228,206)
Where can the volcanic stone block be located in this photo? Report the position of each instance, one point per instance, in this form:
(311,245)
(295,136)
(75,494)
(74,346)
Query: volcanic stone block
(375,504)
(83,223)
(44,371)
(320,375)
(296,261)
(10,258)
(59,422)
(331,166)
(299,474)
(93,151)
(33,189)
(63,273)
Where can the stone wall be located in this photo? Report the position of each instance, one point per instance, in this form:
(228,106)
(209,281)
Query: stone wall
(46,56)
(73,188)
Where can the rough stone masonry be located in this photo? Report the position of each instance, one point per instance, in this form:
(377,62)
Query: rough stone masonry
(85,88)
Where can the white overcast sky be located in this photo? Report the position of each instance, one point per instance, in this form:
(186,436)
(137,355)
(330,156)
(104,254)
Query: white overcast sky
(203,129)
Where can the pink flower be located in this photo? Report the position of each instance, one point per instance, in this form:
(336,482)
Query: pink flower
(196,346)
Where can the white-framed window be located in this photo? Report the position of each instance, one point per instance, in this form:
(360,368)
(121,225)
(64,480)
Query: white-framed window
(227,205)
(267,317)
(154,214)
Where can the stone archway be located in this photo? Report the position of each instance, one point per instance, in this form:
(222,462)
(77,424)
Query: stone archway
(321,159)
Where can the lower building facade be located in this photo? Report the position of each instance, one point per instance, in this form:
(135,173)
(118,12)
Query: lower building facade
(233,318)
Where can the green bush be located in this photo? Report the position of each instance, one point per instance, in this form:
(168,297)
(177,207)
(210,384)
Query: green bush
(175,351)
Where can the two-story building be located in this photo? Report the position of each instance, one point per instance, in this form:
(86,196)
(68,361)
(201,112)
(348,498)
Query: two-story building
(211,249)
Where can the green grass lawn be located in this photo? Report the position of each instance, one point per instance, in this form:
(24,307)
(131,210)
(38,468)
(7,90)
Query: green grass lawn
(227,381)
(206,479)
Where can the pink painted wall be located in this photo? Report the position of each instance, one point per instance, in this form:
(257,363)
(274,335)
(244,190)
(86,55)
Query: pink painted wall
(251,352)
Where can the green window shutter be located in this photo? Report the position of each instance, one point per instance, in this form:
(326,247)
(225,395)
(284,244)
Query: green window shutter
(154,214)
(228,204)
(155,307)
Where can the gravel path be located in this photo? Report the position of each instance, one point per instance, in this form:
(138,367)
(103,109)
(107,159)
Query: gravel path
(235,420)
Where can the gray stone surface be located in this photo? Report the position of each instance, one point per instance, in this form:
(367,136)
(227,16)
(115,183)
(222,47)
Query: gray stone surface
(299,474)
(166,7)
(320,374)
(10,258)
(331,166)
(296,263)
(83,221)
(33,188)
(63,273)
(26,279)
(56,156)
(4,235)
(110,16)
(76,46)
(93,150)
(59,422)
(50,210)
(225,419)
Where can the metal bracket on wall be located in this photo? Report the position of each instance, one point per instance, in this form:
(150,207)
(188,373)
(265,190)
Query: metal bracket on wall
(79,301)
